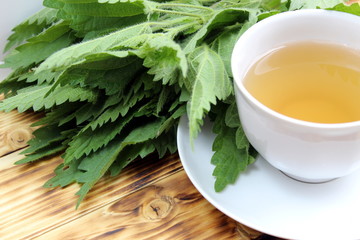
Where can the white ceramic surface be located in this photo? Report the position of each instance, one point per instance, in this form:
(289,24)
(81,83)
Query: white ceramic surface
(265,199)
(12,13)
(309,151)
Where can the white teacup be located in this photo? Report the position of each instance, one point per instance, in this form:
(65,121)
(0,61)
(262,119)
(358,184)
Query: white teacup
(311,152)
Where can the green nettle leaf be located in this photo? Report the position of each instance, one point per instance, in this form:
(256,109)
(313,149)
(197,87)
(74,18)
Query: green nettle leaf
(78,1)
(164,58)
(111,71)
(103,8)
(57,114)
(44,136)
(9,88)
(222,18)
(274,6)
(118,105)
(39,47)
(221,46)
(68,94)
(90,141)
(207,81)
(115,81)
(353,8)
(232,120)
(163,98)
(88,112)
(77,53)
(106,26)
(65,175)
(241,140)
(57,4)
(166,143)
(173,119)
(129,154)
(231,116)
(30,53)
(231,155)
(47,151)
(114,112)
(96,165)
(31,26)
(25,98)
(224,44)
(35,97)
(302,4)
(52,33)
(246,4)
(43,77)
(91,27)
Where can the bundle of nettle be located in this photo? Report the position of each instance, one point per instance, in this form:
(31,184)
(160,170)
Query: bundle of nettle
(113,77)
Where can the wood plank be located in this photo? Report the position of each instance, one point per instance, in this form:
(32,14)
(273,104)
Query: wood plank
(153,192)
(168,209)
(29,210)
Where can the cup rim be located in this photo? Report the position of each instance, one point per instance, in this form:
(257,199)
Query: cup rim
(238,83)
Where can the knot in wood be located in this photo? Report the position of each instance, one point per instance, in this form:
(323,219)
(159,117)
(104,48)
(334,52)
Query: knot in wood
(158,208)
(19,137)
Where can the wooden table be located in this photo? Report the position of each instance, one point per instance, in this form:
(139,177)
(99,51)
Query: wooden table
(151,199)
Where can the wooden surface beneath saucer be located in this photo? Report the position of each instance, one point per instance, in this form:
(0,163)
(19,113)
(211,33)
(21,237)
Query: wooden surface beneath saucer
(152,199)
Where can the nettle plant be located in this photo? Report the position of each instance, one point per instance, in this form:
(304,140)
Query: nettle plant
(113,78)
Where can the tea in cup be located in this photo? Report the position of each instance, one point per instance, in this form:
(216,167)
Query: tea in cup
(297,88)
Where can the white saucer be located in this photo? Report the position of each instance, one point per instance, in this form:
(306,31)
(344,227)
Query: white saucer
(266,200)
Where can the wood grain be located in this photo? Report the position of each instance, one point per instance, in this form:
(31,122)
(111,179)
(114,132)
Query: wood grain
(15,136)
(25,198)
(151,199)
(167,209)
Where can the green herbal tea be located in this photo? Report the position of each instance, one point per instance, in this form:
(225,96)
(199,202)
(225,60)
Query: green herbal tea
(310,81)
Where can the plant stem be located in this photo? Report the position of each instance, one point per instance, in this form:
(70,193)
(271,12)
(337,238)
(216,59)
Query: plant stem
(174,5)
(176,30)
(177,13)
